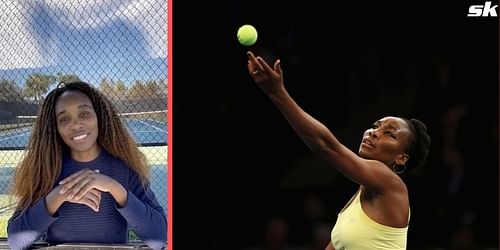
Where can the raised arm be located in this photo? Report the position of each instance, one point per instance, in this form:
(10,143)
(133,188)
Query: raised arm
(317,136)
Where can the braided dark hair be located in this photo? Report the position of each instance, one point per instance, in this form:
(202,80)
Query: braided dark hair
(418,148)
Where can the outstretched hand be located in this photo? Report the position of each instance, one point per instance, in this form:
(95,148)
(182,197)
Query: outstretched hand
(270,80)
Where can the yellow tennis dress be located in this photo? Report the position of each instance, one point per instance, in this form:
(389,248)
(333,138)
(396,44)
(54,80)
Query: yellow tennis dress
(354,230)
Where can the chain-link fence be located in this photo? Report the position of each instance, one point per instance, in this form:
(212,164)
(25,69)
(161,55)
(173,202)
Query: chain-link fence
(120,47)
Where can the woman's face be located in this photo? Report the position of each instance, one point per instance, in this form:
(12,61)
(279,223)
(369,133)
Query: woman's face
(386,141)
(77,124)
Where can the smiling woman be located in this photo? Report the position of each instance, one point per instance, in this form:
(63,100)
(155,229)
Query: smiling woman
(77,125)
(83,168)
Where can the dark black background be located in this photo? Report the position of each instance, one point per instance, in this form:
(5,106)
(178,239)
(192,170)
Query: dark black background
(347,64)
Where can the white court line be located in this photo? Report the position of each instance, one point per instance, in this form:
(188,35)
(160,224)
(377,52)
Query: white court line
(8,138)
(152,126)
(22,132)
(144,131)
(153,121)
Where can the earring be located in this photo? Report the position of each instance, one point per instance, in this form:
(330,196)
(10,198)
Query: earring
(399,168)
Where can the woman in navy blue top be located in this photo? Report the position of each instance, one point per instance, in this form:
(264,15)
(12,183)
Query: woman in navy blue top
(83,178)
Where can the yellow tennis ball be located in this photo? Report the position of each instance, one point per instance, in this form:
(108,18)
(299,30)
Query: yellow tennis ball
(247,35)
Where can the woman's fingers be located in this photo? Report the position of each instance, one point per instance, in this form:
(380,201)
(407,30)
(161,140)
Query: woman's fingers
(96,199)
(251,65)
(96,193)
(90,181)
(69,178)
(89,203)
(81,188)
(254,66)
(91,199)
(89,186)
(72,180)
(277,67)
(264,65)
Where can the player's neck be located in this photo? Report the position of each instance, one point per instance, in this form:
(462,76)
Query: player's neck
(86,156)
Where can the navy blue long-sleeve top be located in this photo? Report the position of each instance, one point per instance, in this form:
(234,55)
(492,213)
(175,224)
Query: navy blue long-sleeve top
(77,223)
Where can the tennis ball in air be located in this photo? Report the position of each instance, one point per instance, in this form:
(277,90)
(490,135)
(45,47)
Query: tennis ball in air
(247,35)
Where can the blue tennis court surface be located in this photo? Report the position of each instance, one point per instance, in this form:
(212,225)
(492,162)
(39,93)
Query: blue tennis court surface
(146,132)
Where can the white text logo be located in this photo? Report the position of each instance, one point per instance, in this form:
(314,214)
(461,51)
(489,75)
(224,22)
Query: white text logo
(483,10)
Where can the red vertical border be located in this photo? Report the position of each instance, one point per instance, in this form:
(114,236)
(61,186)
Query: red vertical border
(170,126)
